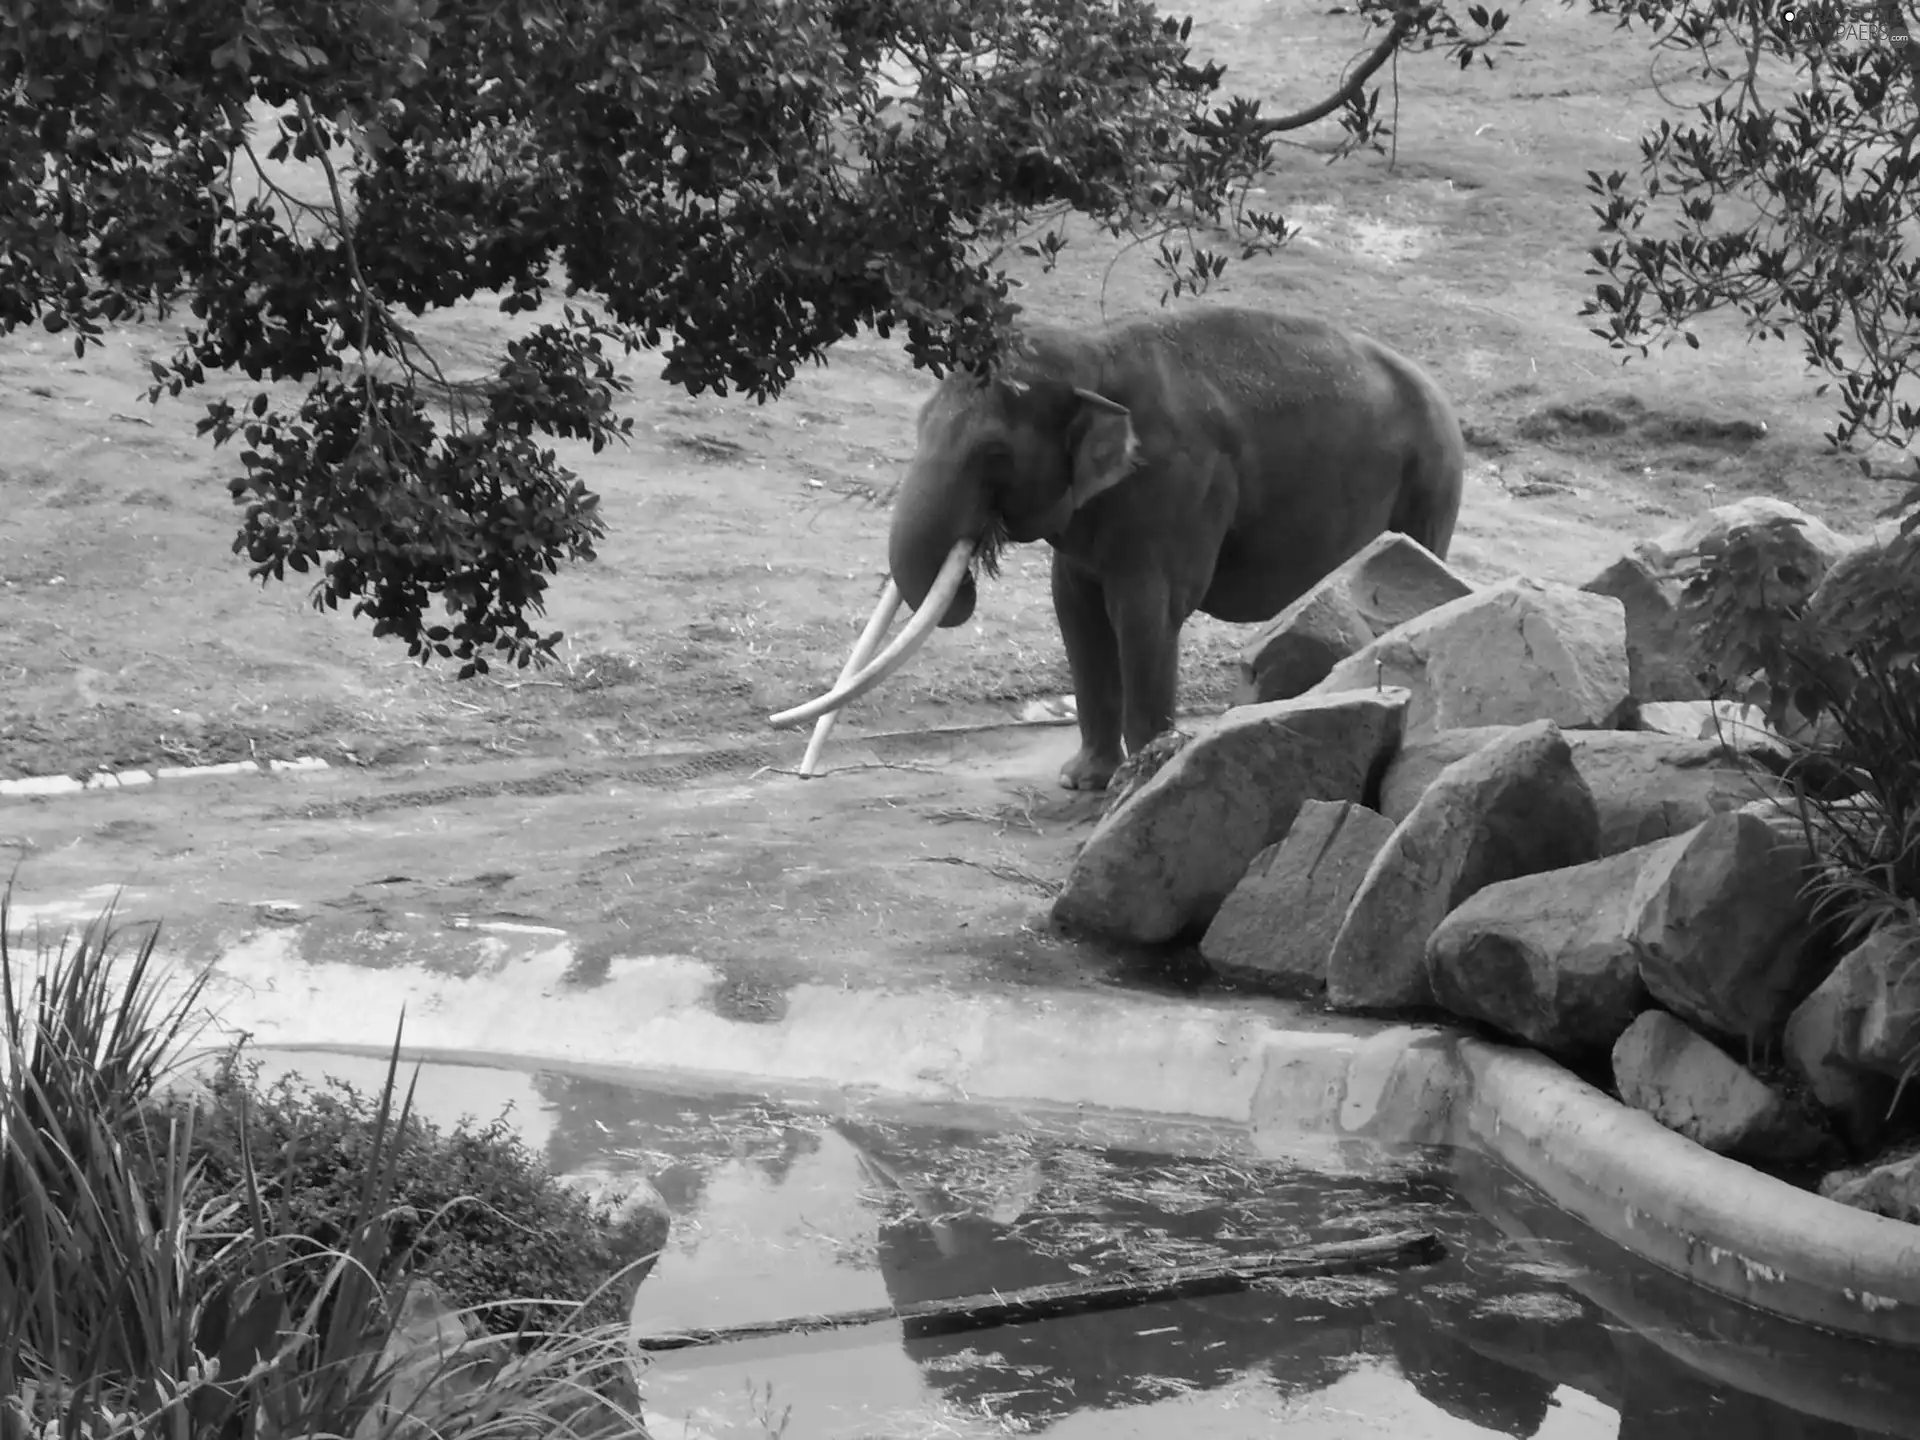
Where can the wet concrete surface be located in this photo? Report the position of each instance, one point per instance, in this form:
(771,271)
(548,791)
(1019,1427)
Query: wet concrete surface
(1529,1328)
(925,858)
(883,925)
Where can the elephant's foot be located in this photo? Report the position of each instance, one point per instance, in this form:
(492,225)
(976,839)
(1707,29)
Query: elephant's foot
(1089,770)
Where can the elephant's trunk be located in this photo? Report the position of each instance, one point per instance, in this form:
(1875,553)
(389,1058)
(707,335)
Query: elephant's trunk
(930,516)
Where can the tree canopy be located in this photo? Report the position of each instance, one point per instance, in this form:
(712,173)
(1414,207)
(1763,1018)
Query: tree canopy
(737,183)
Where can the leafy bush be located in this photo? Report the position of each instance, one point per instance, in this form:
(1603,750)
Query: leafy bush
(475,1209)
(1834,657)
(141,1298)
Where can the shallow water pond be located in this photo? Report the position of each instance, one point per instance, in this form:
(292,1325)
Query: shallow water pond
(1529,1327)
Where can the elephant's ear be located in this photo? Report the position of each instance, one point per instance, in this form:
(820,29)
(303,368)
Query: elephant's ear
(1104,446)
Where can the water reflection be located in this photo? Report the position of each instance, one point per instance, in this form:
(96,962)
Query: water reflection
(1532,1327)
(1510,1336)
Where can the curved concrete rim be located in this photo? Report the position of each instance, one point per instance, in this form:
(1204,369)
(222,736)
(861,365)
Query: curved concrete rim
(1720,1223)
(1295,1082)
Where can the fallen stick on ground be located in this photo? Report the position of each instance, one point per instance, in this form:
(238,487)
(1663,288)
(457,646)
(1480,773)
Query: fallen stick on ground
(1399,1250)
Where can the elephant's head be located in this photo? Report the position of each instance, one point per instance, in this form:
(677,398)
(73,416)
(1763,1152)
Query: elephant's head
(1009,459)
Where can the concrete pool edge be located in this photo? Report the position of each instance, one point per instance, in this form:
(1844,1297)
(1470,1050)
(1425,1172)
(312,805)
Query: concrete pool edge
(1300,1083)
(1720,1223)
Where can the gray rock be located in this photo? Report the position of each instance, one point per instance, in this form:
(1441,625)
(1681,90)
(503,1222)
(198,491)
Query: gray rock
(1740,728)
(1513,808)
(1854,1037)
(1386,583)
(1856,577)
(1277,926)
(1815,1043)
(1693,1087)
(636,1216)
(1301,645)
(1725,934)
(1815,542)
(1144,764)
(1890,1187)
(1645,786)
(1660,660)
(1514,652)
(1162,862)
(1548,958)
(436,1358)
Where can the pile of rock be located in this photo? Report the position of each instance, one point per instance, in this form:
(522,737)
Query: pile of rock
(1514,804)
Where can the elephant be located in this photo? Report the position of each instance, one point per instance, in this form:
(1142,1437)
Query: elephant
(1219,459)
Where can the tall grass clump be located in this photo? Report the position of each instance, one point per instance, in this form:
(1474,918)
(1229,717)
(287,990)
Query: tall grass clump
(168,1270)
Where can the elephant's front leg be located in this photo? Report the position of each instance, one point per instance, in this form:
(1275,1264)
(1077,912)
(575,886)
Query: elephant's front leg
(1093,657)
(1149,638)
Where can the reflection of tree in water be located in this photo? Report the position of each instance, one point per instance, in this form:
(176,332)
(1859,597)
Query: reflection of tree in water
(1455,1378)
(677,1141)
(1305,1335)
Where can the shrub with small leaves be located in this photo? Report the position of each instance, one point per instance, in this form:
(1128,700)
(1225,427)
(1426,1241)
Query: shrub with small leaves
(478,1211)
(1843,648)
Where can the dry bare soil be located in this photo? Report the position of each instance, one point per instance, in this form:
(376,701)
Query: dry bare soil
(747,542)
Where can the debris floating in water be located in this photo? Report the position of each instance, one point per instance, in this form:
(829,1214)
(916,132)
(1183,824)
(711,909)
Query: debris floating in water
(1401,1249)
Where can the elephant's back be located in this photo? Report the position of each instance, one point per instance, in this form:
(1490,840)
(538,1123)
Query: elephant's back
(1332,438)
(1272,367)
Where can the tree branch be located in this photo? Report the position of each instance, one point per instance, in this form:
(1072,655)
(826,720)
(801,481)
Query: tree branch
(1381,53)
(1403,1249)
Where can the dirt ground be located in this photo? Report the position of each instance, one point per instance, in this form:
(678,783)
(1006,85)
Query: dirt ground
(747,542)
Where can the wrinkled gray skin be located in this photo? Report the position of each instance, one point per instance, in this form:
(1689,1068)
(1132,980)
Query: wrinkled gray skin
(1221,460)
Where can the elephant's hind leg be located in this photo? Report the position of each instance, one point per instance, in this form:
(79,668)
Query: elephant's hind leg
(1093,655)
(1428,505)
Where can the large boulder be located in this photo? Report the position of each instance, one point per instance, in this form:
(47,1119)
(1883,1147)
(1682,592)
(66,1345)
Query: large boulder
(1859,578)
(1277,926)
(1853,1038)
(1645,786)
(1517,651)
(637,1222)
(1692,1086)
(1725,931)
(1856,1100)
(1548,958)
(1660,661)
(1161,862)
(1386,583)
(1809,547)
(1513,808)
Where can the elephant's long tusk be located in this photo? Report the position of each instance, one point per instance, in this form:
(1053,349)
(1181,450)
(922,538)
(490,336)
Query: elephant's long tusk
(895,655)
(863,649)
